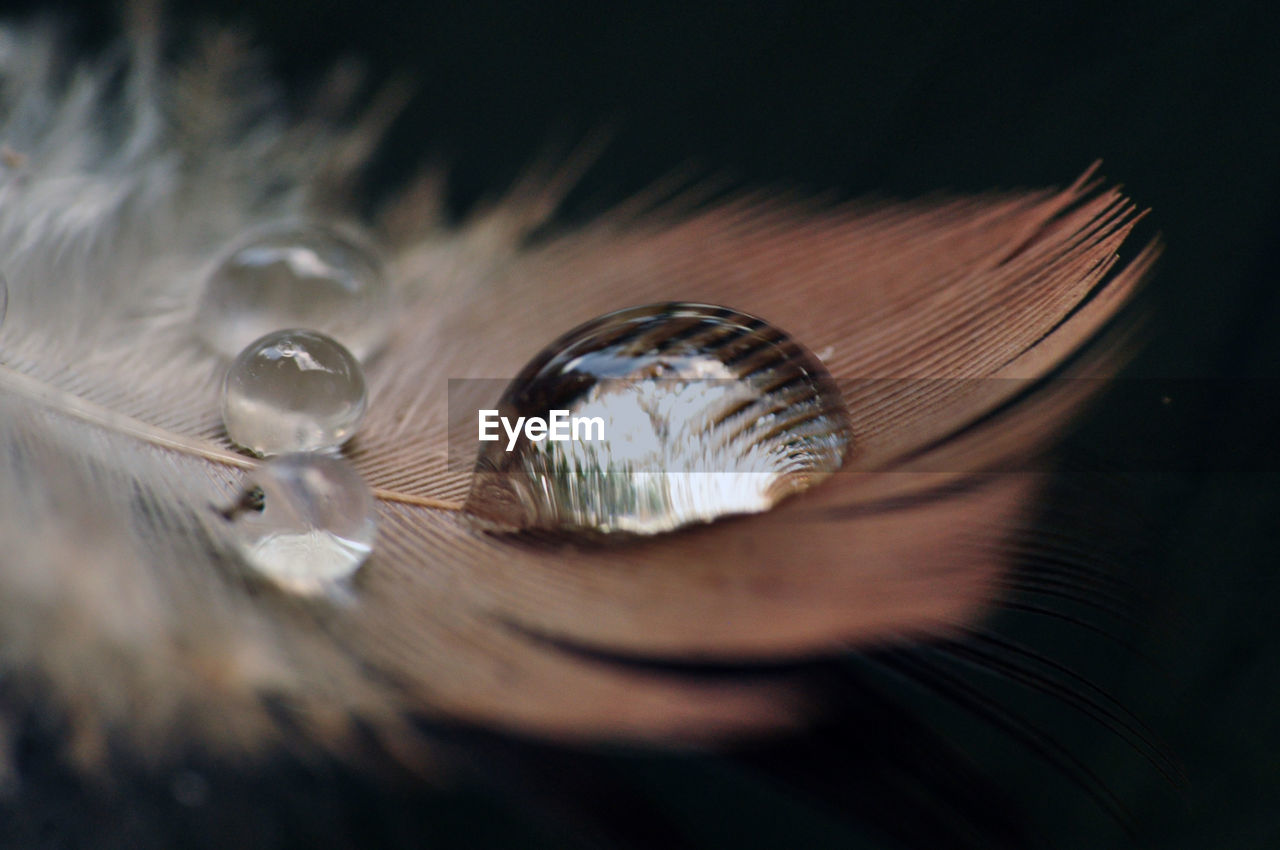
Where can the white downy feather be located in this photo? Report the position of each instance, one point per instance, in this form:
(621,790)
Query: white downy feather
(119,599)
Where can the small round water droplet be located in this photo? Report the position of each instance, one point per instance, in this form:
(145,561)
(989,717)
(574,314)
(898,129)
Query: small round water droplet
(306,522)
(296,276)
(293,391)
(704,412)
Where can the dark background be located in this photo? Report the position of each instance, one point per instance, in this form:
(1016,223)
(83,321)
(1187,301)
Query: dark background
(898,99)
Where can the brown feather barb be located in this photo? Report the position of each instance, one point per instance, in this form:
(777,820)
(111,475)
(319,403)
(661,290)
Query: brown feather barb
(120,594)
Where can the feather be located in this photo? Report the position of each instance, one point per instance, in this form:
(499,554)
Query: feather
(950,325)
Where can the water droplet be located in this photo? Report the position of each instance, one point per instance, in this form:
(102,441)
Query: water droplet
(296,276)
(306,522)
(293,391)
(706,412)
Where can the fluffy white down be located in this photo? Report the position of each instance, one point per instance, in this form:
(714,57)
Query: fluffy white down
(119,186)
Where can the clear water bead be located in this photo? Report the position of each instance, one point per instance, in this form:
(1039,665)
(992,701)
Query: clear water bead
(293,391)
(306,522)
(296,276)
(704,412)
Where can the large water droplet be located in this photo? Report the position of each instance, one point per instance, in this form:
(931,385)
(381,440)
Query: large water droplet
(293,391)
(296,276)
(706,412)
(306,522)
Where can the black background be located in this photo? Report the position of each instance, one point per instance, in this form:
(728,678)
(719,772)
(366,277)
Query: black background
(1178,99)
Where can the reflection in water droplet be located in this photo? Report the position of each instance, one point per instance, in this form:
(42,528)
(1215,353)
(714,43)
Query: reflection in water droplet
(296,276)
(706,413)
(306,522)
(293,391)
